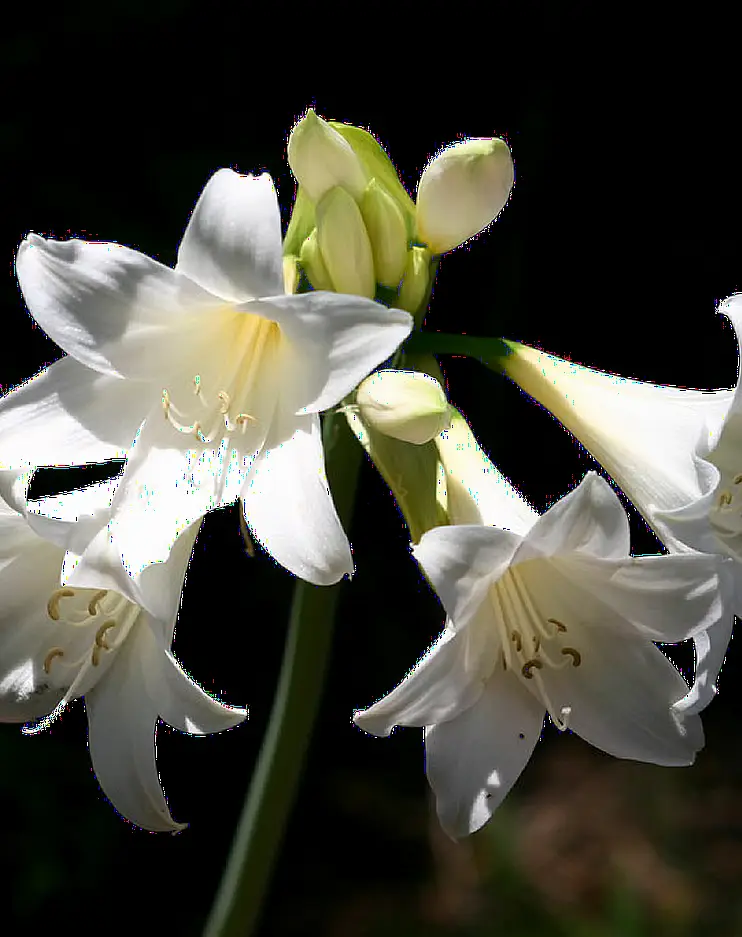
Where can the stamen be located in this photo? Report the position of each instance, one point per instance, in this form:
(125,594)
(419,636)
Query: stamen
(516,639)
(166,404)
(562,723)
(197,384)
(224,397)
(557,624)
(536,644)
(575,655)
(94,603)
(243,418)
(725,498)
(100,634)
(54,652)
(529,666)
(52,606)
(738,479)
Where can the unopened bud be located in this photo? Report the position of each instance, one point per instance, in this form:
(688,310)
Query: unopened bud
(462,191)
(416,279)
(407,405)
(290,273)
(321,159)
(386,230)
(310,258)
(344,244)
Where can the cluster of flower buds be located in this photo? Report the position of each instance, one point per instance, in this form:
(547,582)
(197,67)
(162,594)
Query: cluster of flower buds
(365,232)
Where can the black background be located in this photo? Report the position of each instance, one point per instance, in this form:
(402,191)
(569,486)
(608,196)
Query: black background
(621,236)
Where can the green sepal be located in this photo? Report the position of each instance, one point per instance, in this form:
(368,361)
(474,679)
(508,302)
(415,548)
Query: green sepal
(377,164)
(302,223)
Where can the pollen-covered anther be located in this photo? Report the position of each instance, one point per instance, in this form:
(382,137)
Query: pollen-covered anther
(725,498)
(529,666)
(94,603)
(52,606)
(574,654)
(53,652)
(100,634)
(738,479)
(516,639)
(557,624)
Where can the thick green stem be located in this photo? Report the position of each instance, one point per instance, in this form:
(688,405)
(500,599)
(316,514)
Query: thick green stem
(488,350)
(274,783)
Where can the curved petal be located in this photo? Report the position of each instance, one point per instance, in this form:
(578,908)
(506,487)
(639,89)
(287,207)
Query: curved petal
(476,492)
(69,415)
(289,508)
(122,716)
(110,307)
(663,598)
(232,245)
(184,705)
(589,520)
(647,437)
(332,342)
(462,562)
(473,760)
(620,699)
(446,681)
(711,648)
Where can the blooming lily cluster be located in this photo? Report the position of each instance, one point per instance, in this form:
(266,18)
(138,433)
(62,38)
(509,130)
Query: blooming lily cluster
(209,380)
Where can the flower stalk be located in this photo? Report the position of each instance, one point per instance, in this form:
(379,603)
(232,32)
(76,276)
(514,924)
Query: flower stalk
(272,791)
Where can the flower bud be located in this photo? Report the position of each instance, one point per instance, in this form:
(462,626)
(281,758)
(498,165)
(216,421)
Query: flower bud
(387,233)
(461,191)
(310,258)
(290,273)
(321,159)
(406,405)
(344,244)
(416,279)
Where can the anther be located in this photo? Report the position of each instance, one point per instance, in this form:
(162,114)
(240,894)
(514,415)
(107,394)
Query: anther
(575,655)
(54,652)
(562,723)
(52,606)
(536,644)
(93,604)
(738,479)
(557,624)
(224,397)
(516,639)
(100,634)
(725,498)
(243,418)
(528,667)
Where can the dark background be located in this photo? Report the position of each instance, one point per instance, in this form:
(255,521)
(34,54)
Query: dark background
(621,236)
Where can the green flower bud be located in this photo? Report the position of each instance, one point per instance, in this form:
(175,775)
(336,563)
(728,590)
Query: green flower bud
(378,166)
(462,191)
(310,258)
(416,279)
(406,405)
(290,273)
(321,159)
(346,249)
(386,230)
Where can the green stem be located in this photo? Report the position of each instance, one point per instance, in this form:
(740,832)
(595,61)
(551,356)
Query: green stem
(441,343)
(274,783)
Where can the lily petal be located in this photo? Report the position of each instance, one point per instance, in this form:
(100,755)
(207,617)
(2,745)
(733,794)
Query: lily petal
(332,342)
(122,715)
(232,245)
(621,697)
(289,508)
(69,415)
(445,682)
(473,760)
(589,519)
(108,306)
(462,561)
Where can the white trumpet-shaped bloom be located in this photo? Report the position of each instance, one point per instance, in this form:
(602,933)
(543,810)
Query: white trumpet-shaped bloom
(546,615)
(99,636)
(676,453)
(209,377)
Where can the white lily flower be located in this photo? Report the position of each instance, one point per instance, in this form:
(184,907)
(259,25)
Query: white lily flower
(94,638)
(676,453)
(550,615)
(217,372)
